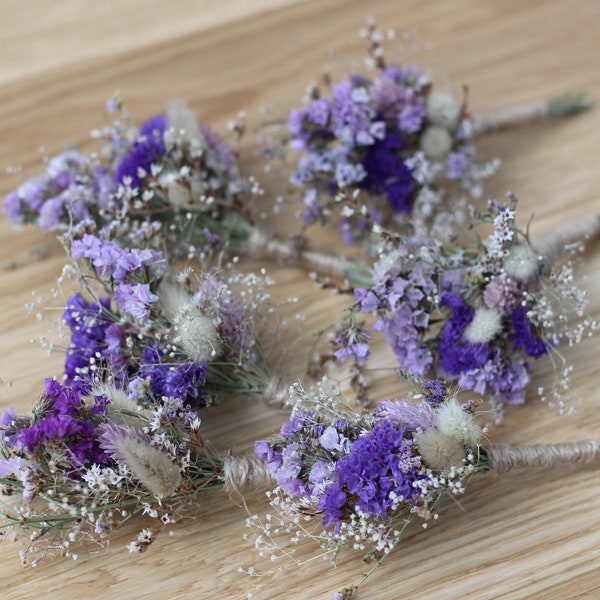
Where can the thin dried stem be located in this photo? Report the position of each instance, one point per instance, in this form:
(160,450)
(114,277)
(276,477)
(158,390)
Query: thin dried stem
(568,104)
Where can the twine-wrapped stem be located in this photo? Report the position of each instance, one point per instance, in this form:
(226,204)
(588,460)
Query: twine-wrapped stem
(277,392)
(553,245)
(252,473)
(245,473)
(568,104)
(504,458)
(324,263)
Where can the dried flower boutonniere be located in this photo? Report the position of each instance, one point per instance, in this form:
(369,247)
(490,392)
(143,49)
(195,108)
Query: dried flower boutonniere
(389,148)
(84,464)
(365,481)
(476,312)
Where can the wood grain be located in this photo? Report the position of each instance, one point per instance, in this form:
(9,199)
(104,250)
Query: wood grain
(534,535)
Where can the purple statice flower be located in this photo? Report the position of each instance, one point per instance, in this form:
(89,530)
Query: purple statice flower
(185,381)
(523,335)
(95,339)
(12,207)
(135,299)
(111,261)
(65,423)
(379,465)
(411,117)
(387,173)
(354,342)
(403,333)
(502,293)
(54,198)
(288,473)
(310,122)
(401,296)
(506,380)
(297,422)
(302,457)
(390,98)
(352,116)
(457,355)
(12,466)
(267,452)
(434,391)
(457,165)
(148,148)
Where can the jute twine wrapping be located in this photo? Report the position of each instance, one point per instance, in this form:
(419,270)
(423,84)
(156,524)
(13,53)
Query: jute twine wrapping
(553,245)
(277,392)
(509,117)
(252,473)
(245,473)
(324,263)
(504,458)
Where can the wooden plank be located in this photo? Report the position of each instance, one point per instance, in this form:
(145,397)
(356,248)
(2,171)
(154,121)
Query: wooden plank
(524,536)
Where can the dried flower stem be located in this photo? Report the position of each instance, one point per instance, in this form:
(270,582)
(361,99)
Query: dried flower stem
(334,265)
(504,458)
(553,245)
(562,106)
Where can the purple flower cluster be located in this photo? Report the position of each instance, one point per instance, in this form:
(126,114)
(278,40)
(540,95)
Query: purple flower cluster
(117,267)
(366,135)
(147,150)
(379,468)
(62,426)
(98,345)
(96,341)
(183,380)
(58,195)
(403,295)
(344,466)
(111,261)
(143,184)
(468,314)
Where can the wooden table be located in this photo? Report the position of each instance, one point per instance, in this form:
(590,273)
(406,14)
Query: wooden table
(531,535)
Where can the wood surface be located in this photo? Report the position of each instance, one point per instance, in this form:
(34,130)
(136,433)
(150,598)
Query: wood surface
(529,535)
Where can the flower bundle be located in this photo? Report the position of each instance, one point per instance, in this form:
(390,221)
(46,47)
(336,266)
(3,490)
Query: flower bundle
(173,181)
(390,149)
(365,481)
(84,464)
(194,337)
(172,185)
(474,312)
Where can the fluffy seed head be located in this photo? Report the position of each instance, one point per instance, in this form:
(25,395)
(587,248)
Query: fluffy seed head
(182,119)
(521,262)
(439,450)
(149,464)
(486,323)
(436,142)
(196,333)
(458,424)
(442,110)
(122,410)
